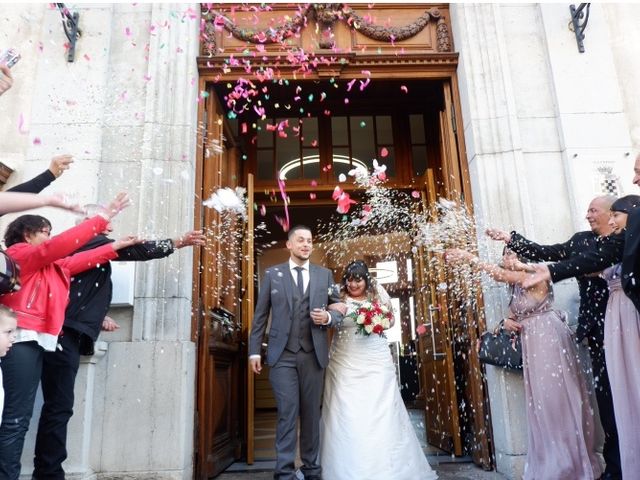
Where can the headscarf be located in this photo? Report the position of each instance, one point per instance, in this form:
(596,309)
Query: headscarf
(626,204)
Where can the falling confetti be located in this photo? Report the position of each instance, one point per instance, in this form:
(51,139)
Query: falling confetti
(228,200)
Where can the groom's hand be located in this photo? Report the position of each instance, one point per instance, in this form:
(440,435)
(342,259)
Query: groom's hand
(256,365)
(320,316)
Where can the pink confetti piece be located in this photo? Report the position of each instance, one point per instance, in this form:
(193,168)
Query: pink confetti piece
(404,88)
(415,194)
(127,31)
(37,141)
(21,126)
(86,57)
(364,84)
(314,183)
(343,199)
(147,77)
(350,84)
(421,329)
(284,222)
(384,152)
(312,196)
(263,210)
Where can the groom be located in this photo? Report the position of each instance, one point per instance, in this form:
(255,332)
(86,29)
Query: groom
(295,293)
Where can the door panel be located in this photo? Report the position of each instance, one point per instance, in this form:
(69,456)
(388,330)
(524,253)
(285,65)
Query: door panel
(248,289)
(466,317)
(435,346)
(219,337)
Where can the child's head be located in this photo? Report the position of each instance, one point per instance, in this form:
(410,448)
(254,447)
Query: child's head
(8,325)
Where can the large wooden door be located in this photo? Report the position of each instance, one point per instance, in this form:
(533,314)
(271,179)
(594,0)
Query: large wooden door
(435,346)
(452,379)
(248,270)
(466,313)
(220,386)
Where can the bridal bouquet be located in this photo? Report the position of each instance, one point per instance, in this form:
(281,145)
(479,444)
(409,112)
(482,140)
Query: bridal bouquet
(372,317)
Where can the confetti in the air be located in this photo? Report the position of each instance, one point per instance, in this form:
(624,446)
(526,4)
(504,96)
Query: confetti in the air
(228,200)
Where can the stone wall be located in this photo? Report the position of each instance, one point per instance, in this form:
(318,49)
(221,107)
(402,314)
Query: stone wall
(126,109)
(544,126)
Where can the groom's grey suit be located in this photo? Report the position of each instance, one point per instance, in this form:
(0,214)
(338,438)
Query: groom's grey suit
(298,352)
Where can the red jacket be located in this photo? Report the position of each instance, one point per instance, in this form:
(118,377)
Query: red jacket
(45,273)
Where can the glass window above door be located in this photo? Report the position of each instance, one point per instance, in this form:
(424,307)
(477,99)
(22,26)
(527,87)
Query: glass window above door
(291,147)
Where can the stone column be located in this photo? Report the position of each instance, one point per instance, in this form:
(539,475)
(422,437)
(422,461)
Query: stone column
(510,133)
(540,120)
(151,127)
(624,40)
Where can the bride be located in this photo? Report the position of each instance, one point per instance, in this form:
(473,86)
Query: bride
(366,433)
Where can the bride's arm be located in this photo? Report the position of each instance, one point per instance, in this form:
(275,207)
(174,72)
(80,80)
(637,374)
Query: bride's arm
(338,307)
(385,299)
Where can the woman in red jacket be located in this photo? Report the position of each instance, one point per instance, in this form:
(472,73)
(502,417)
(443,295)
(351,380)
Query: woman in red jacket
(46,267)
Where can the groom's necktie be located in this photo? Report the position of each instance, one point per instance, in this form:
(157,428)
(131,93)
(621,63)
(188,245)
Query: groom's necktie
(299,281)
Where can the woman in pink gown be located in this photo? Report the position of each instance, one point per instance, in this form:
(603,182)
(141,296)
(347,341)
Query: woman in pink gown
(560,422)
(622,351)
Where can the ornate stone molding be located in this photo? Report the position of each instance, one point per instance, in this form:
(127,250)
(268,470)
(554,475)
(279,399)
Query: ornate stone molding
(326,14)
(444,39)
(389,34)
(345,64)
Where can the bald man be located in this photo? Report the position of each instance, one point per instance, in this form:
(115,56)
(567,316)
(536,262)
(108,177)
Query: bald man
(594,294)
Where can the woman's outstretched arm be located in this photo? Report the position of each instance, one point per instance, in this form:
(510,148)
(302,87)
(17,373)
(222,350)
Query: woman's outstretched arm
(499,274)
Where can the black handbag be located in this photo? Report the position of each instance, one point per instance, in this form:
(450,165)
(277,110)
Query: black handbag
(9,274)
(502,349)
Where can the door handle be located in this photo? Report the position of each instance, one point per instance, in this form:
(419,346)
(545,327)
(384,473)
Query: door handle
(432,309)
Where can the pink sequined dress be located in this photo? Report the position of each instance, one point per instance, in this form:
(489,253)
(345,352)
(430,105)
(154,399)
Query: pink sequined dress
(622,354)
(560,420)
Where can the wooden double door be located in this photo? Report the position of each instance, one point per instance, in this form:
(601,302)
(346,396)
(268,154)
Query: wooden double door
(451,380)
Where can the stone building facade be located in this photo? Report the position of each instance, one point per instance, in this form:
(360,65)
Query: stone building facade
(546,128)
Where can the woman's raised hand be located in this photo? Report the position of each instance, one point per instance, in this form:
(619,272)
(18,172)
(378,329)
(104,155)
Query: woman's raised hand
(125,242)
(499,235)
(59,200)
(510,325)
(458,255)
(118,204)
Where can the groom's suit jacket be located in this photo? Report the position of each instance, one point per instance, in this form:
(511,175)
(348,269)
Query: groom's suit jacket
(276,296)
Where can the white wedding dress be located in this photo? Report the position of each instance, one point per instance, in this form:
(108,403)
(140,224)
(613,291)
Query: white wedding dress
(366,433)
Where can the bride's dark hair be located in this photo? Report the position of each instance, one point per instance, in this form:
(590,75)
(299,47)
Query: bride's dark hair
(358,270)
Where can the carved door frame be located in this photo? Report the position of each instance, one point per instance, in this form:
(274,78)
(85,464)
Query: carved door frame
(451,179)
